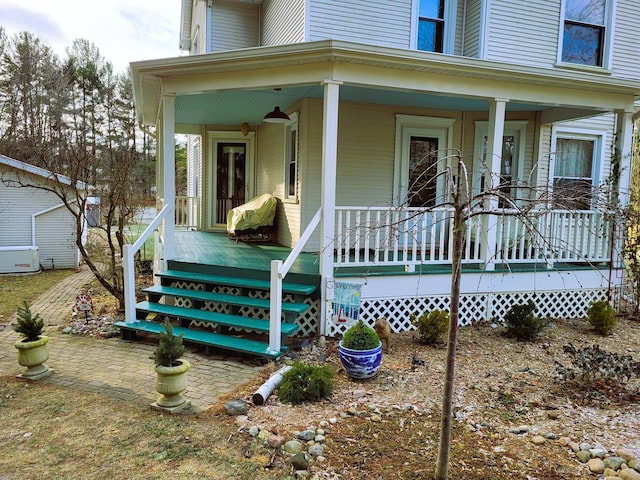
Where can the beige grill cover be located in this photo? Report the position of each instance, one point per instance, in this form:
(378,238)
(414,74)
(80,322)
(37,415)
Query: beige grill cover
(258,212)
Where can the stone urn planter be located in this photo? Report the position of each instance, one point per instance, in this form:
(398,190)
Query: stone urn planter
(360,351)
(33,355)
(170,383)
(171,372)
(32,349)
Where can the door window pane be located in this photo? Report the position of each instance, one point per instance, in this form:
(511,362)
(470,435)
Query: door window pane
(230,178)
(423,172)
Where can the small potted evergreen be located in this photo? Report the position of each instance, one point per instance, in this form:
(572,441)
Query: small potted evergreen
(171,371)
(32,349)
(360,351)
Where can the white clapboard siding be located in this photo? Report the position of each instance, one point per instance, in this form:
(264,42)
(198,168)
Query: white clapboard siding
(472,28)
(56,239)
(270,179)
(523,32)
(234,25)
(626,54)
(55,230)
(374,22)
(282,22)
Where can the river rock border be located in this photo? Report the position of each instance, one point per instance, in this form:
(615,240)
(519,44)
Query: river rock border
(305,450)
(609,464)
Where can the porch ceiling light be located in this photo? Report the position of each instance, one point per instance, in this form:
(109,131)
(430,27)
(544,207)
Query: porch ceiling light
(276,116)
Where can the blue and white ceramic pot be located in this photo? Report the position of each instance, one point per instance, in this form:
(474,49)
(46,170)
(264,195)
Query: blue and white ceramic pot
(361,363)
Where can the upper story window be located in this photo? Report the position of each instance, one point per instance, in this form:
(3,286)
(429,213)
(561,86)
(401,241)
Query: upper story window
(585,34)
(435,25)
(431,25)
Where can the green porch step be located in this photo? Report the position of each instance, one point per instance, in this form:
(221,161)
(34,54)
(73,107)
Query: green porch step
(217,318)
(239,282)
(156,291)
(209,339)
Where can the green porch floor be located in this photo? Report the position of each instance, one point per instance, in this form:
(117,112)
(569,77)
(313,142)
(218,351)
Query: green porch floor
(217,249)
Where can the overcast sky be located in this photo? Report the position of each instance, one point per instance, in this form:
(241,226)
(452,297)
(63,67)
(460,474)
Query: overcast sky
(123,30)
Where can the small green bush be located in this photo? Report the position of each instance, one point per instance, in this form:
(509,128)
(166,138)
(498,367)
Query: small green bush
(522,323)
(602,317)
(360,337)
(170,347)
(29,325)
(306,383)
(431,326)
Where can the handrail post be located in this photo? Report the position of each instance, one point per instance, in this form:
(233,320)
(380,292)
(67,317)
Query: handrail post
(275,306)
(128,284)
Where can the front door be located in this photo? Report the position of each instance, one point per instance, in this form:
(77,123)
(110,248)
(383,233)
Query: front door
(229,174)
(423,150)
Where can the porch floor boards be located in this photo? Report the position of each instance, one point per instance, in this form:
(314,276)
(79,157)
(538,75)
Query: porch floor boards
(217,249)
(210,248)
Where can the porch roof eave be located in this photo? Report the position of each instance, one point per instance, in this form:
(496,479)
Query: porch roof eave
(150,75)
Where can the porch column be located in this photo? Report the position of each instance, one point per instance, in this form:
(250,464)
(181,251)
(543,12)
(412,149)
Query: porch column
(168,174)
(328,197)
(624,150)
(493,159)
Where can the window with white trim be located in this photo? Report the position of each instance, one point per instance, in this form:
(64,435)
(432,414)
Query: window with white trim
(435,27)
(291,158)
(576,169)
(585,33)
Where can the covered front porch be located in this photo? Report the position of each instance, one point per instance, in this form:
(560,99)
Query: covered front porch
(362,168)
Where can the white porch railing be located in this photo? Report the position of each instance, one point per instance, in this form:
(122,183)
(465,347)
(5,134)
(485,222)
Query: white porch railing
(187,212)
(380,236)
(128,268)
(279,270)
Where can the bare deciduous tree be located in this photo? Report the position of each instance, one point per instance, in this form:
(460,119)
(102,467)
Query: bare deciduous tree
(76,118)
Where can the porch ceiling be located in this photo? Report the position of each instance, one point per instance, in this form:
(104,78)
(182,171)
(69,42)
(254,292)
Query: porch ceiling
(237,107)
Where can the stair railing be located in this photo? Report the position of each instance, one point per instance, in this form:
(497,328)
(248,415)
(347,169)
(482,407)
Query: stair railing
(128,268)
(279,270)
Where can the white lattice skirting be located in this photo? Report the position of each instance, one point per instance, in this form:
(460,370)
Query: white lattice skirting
(555,304)
(476,307)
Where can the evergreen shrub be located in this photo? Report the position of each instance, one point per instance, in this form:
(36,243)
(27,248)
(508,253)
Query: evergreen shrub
(522,323)
(306,383)
(431,326)
(170,347)
(29,325)
(602,317)
(360,337)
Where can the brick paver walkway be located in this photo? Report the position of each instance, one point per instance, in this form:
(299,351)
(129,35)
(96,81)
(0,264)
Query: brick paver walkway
(118,369)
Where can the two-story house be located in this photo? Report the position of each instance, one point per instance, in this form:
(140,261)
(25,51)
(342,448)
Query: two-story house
(354,114)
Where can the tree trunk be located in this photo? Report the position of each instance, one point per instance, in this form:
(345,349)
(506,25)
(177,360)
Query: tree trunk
(459,229)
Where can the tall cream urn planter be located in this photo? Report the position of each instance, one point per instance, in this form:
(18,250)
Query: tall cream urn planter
(170,383)
(32,349)
(171,372)
(33,355)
